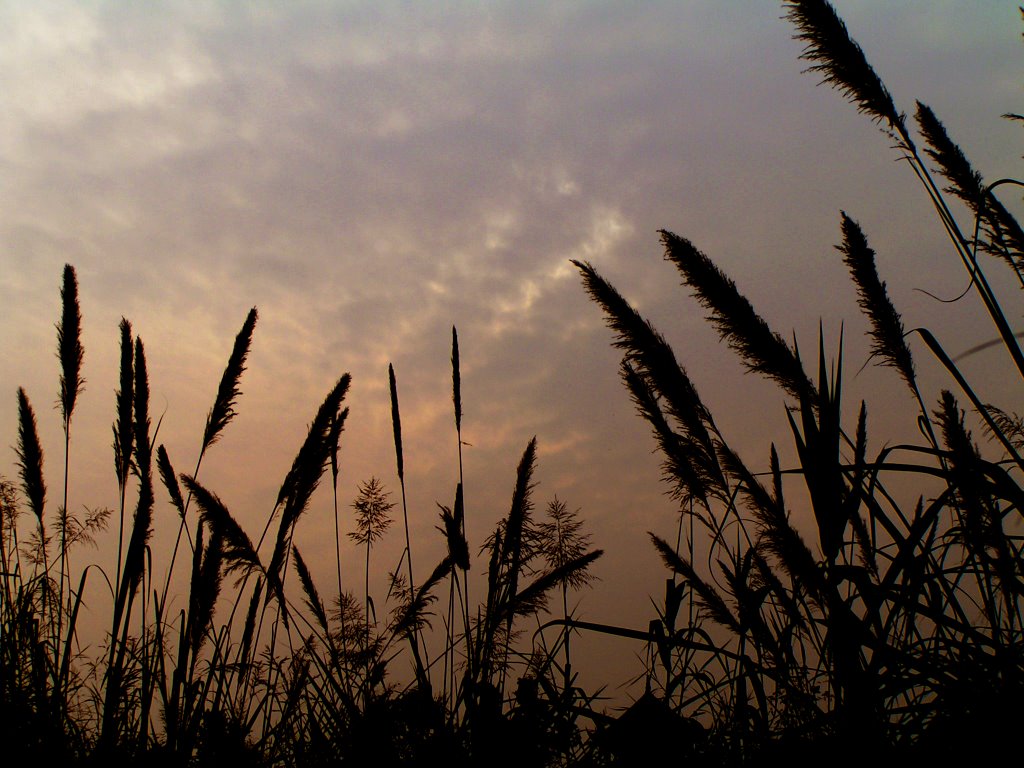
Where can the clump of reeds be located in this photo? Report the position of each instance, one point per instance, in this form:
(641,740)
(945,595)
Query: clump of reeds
(251,674)
(890,628)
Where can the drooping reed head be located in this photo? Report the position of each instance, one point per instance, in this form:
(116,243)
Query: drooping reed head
(313,601)
(1004,233)
(842,64)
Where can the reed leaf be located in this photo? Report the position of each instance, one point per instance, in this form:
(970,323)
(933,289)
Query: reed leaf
(223,410)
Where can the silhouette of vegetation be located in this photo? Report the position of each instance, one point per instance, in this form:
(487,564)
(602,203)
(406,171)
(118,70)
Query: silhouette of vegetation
(898,633)
(894,632)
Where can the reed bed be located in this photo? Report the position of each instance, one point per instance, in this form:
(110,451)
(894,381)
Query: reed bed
(890,632)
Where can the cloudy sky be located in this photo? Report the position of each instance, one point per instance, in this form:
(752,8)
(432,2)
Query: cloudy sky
(370,174)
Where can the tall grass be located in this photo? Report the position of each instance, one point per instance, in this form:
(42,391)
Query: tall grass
(885,629)
(898,630)
(249,669)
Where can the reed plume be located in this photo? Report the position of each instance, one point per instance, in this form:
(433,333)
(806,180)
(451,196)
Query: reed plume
(534,596)
(412,615)
(124,433)
(842,64)
(652,361)
(1005,238)
(30,457)
(143,447)
(142,522)
(205,590)
(888,339)
(762,350)
(71,353)
(687,465)
(456,381)
(306,471)
(519,521)
(313,601)
(223,410)
(240,555)
(778,537)
(170,480)
(396,425)
(69,346)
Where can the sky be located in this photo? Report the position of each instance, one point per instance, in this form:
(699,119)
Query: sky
(369,175)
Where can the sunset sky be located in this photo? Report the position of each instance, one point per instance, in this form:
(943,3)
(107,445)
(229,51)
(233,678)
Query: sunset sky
(370,174)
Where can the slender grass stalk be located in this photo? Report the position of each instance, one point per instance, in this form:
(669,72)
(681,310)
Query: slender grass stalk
(135,556)
(71,354)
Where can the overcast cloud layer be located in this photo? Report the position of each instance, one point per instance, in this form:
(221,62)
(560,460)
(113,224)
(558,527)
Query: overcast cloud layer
(370,174)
